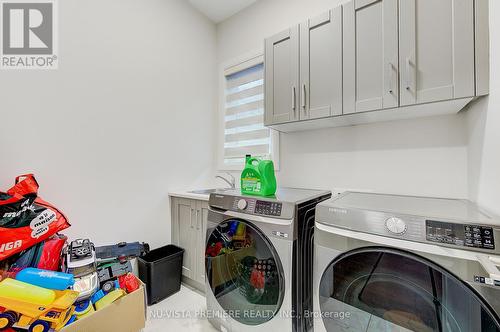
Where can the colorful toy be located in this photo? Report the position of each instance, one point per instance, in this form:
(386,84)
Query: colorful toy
(241,230)
(109,298)
(244,241)
(122,251)
(129,282)
(257,279)
(97,296)
(84,309)
(108,286)
(46,279)
(71,320)
(81,262)
(113,270)
(233,228)
(214,249)
(225,251)
(35,307)
(10,288)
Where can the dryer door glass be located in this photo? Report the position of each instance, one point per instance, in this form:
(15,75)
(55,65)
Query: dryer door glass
(244,273)
(382,289)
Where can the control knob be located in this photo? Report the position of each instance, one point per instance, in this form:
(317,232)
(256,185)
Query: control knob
(242,204)
(396,225)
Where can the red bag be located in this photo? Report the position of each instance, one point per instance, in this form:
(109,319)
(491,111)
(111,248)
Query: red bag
(45,255)
(26,219)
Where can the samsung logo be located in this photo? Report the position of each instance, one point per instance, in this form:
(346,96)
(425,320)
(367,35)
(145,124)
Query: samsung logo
(337,211)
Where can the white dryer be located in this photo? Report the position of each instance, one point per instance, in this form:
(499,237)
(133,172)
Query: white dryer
(398,263)
(254,272)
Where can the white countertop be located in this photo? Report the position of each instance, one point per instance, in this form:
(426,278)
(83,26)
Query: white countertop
(189,195)
(204,197)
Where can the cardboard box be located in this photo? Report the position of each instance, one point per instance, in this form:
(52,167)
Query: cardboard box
(127,314)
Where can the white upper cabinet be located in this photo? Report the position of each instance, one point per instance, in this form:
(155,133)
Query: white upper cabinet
(377,60)
(436,50)
(370,55)
(282,77)
(321,66)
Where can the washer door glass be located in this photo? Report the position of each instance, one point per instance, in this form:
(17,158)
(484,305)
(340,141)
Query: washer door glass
(244,272)
(382,289)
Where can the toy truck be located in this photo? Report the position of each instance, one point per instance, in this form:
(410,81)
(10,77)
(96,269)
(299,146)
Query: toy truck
(122,251)
(38,309)
(81,263)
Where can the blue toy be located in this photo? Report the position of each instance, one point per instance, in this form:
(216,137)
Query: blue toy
(46,279)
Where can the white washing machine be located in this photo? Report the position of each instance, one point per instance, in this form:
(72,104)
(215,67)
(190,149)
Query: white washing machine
(398,263)
(254,273)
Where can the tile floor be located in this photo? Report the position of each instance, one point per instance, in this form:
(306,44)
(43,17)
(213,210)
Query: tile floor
(182,311)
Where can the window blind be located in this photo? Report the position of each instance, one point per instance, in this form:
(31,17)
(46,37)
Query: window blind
(244,131)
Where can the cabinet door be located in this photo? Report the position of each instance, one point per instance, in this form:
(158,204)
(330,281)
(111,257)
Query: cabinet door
(436,50)
(282,77)
(371,65)
(321,66)
(184,220)
(201,228)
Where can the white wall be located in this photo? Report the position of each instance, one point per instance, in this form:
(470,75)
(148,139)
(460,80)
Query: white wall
(126,118)
(423,157)
(484,129)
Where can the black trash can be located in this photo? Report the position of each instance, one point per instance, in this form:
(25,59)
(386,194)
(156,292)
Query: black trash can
(161,271)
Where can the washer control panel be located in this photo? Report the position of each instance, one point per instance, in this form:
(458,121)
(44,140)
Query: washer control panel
(474,236)
(250,205)
(254,206)
(268,208)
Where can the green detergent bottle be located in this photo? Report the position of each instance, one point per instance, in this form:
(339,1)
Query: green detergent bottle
(258,177)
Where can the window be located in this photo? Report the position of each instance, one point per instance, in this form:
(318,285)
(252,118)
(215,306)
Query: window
(243,115)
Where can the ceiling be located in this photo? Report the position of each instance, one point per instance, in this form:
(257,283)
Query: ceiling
(219,10)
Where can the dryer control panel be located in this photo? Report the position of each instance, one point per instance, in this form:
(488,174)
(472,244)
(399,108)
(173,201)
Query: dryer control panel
(474,236)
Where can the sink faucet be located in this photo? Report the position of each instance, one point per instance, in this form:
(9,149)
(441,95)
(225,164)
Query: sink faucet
(231,182)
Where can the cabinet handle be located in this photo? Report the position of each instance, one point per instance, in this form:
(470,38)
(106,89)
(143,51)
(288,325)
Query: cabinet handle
(408,67)
(197,219)
(191,219)
(303,98)
(390,69)
(294,97)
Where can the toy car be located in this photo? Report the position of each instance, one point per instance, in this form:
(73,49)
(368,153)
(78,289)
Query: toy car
(121,251)
(81,262)
(36,308)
